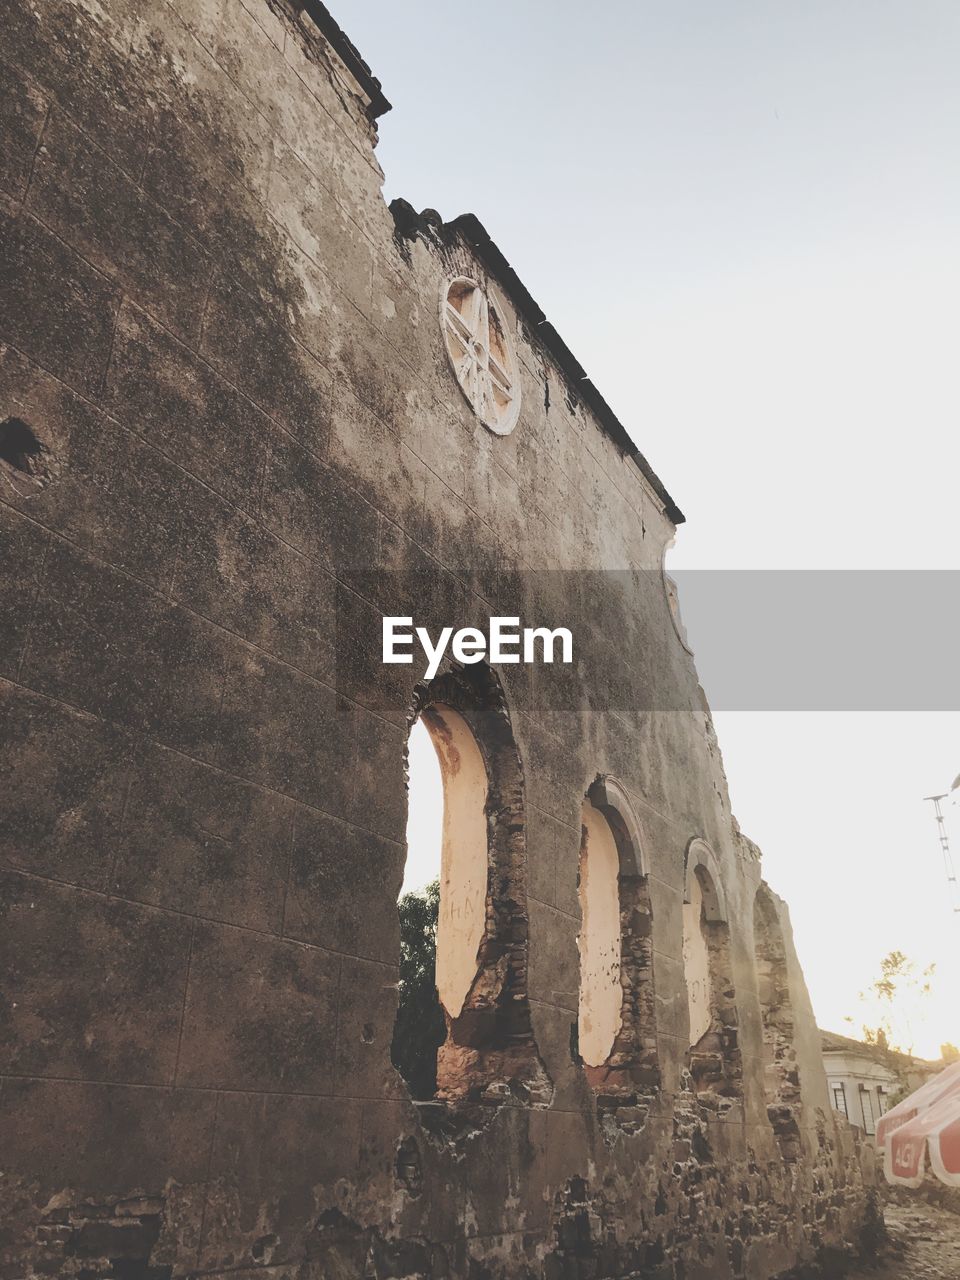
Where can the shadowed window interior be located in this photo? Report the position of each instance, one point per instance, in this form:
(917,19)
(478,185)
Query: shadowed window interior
(713,1057)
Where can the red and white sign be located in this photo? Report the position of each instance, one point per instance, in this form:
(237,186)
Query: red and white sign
(925,1127)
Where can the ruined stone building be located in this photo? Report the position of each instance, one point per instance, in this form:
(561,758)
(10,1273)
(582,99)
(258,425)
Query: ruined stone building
(247,409)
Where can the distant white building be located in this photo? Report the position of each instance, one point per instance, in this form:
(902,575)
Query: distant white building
(865,1079)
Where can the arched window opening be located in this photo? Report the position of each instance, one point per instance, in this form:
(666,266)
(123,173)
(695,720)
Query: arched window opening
(616,1031)
(599,1016)
(443,899)
(714,1064)
(696,965)
(781,1078)
(463,1030)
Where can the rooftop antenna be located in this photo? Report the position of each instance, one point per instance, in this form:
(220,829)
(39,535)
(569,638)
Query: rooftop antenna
(945,846)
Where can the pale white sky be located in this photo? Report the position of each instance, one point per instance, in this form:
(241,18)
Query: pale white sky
(743,219)
(424,812)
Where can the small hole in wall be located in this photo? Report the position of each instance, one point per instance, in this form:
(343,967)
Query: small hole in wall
(22,452)
(19,447)
(409,1172)
(366,1034)
(575,1044)
(701,1147)
(262,1248)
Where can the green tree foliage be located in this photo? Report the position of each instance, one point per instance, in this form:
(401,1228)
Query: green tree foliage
(949,1052)
(876,1036)
(898,994)
(420,1028)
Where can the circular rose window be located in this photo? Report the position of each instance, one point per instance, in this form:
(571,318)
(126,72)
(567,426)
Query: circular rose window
(481,354)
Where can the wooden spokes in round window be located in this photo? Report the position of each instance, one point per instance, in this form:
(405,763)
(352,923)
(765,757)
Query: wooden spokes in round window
(480,353)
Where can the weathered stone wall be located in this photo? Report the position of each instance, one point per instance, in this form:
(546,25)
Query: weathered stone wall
(232,438)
